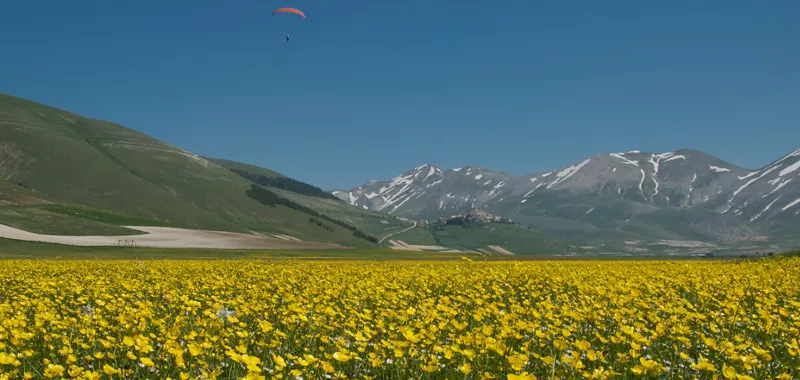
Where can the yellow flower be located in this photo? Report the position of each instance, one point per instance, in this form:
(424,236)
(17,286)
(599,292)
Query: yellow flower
(109,370)
(342,357)
(466,368)
(703,365)
(728,372)
(522,376)
(6,358)
(53,370)
(279,362)
(517,361)
(91,375)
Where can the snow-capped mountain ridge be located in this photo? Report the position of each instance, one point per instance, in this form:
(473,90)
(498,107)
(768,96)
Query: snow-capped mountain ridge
(765,194)
(681,180)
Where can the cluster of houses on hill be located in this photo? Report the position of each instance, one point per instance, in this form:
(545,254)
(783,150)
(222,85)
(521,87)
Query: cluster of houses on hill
(474,215)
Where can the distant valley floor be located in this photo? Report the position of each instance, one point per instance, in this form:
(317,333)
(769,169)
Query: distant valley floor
(166,237)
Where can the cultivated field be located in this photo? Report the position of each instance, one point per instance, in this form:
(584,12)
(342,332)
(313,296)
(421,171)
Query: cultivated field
(400,319)
(167,237)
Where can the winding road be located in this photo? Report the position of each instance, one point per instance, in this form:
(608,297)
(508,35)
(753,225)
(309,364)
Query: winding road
(396,233)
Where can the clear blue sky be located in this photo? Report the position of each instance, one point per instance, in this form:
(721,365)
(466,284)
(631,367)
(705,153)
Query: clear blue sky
(368,89)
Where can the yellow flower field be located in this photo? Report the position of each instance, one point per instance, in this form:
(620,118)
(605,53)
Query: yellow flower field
(399,320)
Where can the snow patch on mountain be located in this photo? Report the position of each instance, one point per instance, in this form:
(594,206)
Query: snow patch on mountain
(656,160)
(431,172)
(534,189)
(642,181)
(790,205)
(718,169)
(676,157)
(780,185)
(434,183)
(741,178)
(750,182)
(479,176)
(789,169)
(568,172)
(765,209)
(622,157)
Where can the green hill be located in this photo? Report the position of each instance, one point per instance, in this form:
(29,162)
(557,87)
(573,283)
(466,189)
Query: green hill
(52,156)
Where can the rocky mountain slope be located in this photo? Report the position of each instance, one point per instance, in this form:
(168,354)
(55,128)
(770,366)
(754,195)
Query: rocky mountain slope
(767,197)
(684,194)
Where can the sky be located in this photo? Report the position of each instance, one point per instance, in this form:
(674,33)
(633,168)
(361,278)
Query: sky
(366,90)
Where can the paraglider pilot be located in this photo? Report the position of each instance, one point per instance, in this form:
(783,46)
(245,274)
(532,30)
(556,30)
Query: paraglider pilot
(287,37)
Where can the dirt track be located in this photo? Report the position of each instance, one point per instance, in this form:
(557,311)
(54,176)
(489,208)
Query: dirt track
(164,237)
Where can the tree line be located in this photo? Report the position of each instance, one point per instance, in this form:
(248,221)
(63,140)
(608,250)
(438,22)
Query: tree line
(286,183)
(270,198)
(319,223)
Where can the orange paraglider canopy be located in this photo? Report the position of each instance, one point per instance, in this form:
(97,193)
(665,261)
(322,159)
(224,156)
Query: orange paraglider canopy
(289,10)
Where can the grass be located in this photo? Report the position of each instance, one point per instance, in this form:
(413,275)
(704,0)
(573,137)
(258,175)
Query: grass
(257,170)
(69,159)
(17,194)
(40,220)
(370,222)
(514,238)
(415,236)
(16,249)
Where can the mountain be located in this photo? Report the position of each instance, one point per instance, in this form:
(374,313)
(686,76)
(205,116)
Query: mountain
(768,197)
(609,198)
(65,173)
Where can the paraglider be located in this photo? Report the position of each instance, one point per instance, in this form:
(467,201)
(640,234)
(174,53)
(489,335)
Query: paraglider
(289,10)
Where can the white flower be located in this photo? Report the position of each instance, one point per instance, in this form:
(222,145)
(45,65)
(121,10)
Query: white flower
(224,312)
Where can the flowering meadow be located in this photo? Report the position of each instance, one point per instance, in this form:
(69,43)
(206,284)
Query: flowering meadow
(399,319)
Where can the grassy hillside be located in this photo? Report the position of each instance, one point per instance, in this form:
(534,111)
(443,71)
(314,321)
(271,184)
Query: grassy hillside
(373,223)
(15,194)
(28,210)
(71,159)
(415,236)
(480,236)
(257,170)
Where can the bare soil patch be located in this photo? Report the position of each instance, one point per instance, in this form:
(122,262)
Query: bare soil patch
(167,237)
